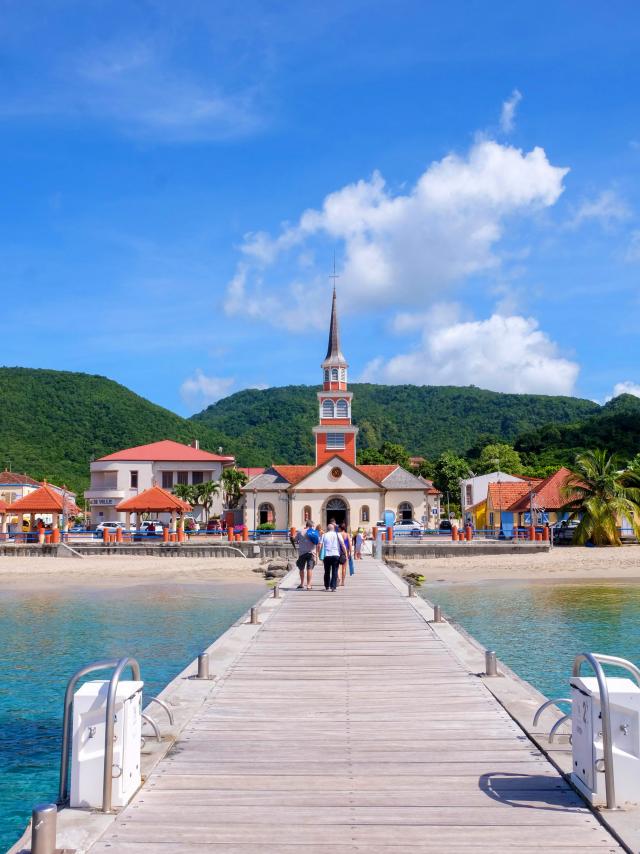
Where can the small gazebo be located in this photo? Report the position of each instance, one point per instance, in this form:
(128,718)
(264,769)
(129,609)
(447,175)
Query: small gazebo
(153,500)
(47,500)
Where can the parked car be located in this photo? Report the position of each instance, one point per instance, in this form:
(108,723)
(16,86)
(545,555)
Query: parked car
(563,533)
(110,526)
(408,526)
(445,525)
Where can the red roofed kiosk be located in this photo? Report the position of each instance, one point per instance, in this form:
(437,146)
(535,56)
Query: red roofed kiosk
(153,500)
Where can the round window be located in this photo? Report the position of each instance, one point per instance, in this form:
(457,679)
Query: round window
(336,471)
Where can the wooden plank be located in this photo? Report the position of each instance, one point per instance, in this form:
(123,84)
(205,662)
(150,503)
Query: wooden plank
(348,726)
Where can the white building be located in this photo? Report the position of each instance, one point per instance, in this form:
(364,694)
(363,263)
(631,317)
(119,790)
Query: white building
(127,473)
(336,487)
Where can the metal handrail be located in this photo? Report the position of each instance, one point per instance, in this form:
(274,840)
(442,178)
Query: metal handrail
(546,705)
(119,664)
(557,726)
(163,705)
(154,726)
(605,711)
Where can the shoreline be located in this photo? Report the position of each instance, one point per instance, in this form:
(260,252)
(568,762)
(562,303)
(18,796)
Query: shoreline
(106,571)
(562,565)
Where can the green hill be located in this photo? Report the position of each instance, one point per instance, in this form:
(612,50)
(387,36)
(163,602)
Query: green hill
(274,425)
(52,423)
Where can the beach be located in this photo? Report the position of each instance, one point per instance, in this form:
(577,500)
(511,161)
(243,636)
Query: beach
(560,564)
(25,573)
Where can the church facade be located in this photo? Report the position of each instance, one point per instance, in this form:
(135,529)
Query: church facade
(336,487)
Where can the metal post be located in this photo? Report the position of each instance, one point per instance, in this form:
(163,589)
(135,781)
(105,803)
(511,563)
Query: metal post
(43,829)
(276,591)
(254,617)
(437,614)
(490,663)
(377,546)
(107,774)
(412,590)
(203,665)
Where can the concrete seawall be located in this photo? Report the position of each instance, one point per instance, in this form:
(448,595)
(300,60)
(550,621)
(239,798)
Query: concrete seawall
(268,550)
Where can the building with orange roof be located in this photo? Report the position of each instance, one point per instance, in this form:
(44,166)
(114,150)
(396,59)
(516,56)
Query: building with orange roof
(17,485)
(336,487)
(47,501)
(155,501)
(127,473)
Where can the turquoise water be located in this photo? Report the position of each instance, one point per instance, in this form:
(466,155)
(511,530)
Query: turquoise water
(537,629)
(45,637)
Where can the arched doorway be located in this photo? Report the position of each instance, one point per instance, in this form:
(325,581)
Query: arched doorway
(336,510)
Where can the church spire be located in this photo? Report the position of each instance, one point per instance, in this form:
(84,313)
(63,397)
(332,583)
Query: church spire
(334,353)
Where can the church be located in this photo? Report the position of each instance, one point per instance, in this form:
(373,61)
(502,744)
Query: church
(336,487)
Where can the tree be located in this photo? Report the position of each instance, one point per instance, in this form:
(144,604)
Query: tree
(187,492)
(449,470)
(206,492)
(232,482)
(601,496)
(499,457)
(389,453)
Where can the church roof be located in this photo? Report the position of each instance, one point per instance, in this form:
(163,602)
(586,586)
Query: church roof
(334,353)
(389,476)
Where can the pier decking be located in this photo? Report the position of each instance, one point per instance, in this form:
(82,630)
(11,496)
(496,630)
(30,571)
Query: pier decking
(348,725)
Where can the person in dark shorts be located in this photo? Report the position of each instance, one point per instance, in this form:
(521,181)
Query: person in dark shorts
(306,542)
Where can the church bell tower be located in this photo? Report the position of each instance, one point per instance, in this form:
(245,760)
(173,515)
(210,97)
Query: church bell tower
(335,435)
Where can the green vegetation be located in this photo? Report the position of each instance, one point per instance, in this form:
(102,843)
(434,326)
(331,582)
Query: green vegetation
(232,482)
(198,494)
(52,423)
(274,425)
(597,495)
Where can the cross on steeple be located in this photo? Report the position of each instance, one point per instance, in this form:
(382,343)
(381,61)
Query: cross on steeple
(334,275)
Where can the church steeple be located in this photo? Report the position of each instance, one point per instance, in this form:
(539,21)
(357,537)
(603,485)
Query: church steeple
(335,435)
(334,353)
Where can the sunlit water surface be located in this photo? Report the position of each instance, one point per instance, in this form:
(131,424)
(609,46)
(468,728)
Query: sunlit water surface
(45,637)
(537,629)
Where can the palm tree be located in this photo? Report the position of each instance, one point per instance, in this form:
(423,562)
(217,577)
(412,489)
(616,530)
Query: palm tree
(600,496)
(233,480)
(206,492)
(187,492)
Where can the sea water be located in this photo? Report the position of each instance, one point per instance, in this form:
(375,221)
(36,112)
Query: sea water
(538,628)
(45,637)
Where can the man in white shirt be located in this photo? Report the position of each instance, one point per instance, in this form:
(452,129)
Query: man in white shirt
(331,544)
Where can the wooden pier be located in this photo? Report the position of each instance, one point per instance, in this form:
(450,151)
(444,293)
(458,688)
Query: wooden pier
(348,725)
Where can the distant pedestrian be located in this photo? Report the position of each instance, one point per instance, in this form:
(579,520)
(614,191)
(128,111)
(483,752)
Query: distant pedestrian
(330,544)
(345,552)
(359,539)
(307,545)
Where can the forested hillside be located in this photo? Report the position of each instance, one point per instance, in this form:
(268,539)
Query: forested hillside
(274,425)
(52,423)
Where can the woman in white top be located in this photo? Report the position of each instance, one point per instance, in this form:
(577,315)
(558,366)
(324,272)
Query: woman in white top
(331,544)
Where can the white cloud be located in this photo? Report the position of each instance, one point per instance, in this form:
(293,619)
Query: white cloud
(201,390)
(501,353)
(142,90)
(508,112)
(607,209)
(399,248)
(626,387)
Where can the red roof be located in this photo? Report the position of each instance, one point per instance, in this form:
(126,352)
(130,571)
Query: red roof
(377,473)
(294,474)
(43,500)
(153,500)
(165,451)
(548,492)
(503,495)
(7,477)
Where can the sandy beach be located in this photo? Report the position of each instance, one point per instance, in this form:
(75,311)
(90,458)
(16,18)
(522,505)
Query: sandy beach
(570,564)
(24,573)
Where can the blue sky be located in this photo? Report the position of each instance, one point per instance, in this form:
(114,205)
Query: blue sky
(177,176)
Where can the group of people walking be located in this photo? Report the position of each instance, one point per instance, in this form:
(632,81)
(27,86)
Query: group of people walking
(334,547)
